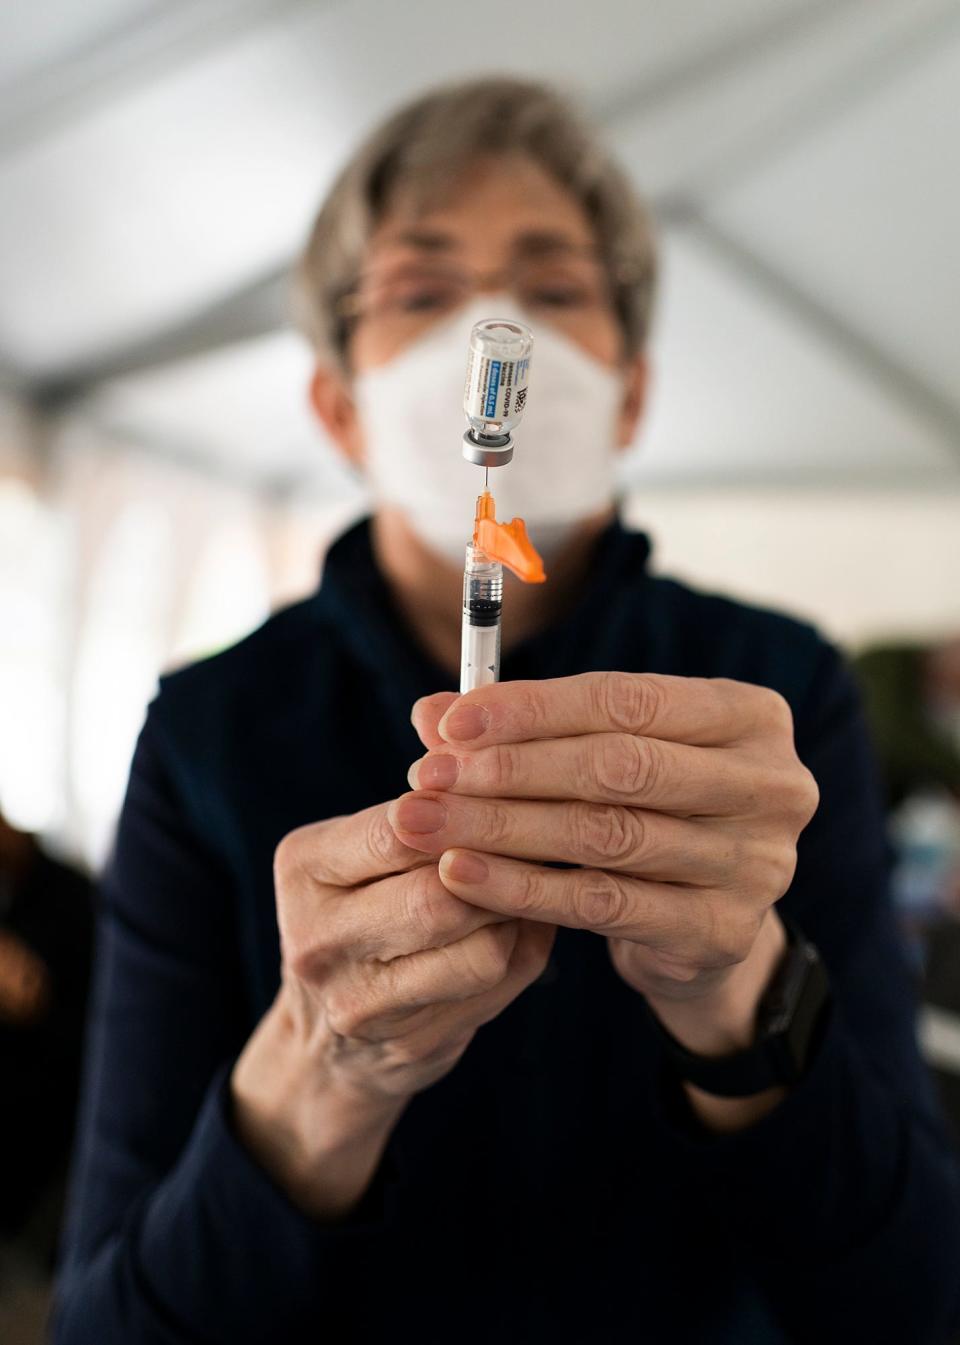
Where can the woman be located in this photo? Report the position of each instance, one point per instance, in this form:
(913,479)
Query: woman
(356,1067)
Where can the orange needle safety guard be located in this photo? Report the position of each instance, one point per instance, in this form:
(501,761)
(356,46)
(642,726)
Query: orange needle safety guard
(506,542)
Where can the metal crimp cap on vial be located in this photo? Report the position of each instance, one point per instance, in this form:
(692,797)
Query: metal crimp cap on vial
(489,451)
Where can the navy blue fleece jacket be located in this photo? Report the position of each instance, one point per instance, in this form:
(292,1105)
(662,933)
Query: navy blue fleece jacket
(551,1187)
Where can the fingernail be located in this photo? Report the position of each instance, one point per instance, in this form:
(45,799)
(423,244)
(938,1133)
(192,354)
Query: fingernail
(464,722)
(420,815)
(464,868)
(439,772)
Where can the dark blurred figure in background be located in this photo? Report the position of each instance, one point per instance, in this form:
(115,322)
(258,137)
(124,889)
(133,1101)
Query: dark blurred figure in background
(46,922)
(913,699)
(912,694)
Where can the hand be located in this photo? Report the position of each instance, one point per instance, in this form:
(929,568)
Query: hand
(383,960)
(386,976)
(681,798)
(25,988)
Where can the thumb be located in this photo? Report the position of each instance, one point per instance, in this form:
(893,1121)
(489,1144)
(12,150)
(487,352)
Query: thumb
(427,713)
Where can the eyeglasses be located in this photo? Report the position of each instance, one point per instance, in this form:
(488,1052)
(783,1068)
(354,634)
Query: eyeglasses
(559,285)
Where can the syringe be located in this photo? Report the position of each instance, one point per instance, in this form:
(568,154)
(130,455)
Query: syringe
(482,606)
(493,400)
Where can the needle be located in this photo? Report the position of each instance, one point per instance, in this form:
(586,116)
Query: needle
(486,478)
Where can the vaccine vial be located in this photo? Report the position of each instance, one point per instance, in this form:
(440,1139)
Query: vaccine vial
(495,389)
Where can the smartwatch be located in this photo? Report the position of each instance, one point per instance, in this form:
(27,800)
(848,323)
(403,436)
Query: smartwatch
(791,1019)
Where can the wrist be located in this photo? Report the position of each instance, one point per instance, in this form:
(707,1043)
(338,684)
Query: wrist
(723,1019)
(786,1009)
(319,1137)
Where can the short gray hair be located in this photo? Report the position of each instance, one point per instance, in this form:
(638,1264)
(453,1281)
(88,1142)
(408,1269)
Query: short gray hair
(424,144)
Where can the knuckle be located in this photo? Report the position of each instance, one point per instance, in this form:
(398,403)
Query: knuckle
(785,868)
(676,969)
(627,765)
(529,895)
(629,701)
(808,794)
(296,895)
(405,1051)
(345,1011)
(306,952)
(405,1040)
(731,864)
(487,957)
(430,908)
(731,934)
(781,712)
(599,899)
(287,857)
(735,947)
(528,709)
(773,711)
(382,839)
(495,822)
(765,868)
(502,769)
(317,966)
(301,961)
(281,859)
(606,833)
(796,794)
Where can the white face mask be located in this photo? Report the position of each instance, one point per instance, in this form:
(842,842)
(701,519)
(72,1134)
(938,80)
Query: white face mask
(563,467)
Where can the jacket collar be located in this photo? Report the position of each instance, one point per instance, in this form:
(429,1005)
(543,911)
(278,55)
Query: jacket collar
(354,596)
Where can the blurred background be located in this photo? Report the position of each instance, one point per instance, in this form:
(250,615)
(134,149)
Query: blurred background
(163,487)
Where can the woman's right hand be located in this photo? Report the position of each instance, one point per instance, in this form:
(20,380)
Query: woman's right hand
(386,976)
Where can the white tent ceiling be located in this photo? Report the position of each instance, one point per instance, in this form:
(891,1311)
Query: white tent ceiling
(159,163)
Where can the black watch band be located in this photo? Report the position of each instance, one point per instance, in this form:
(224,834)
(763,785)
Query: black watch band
(791,1018)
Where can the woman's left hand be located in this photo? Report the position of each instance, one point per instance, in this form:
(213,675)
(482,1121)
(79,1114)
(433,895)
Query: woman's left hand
(680,799)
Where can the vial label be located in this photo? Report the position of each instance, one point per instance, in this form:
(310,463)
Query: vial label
(493,384)
(495,390)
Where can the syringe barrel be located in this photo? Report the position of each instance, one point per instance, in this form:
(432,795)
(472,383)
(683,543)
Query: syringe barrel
(482,604)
